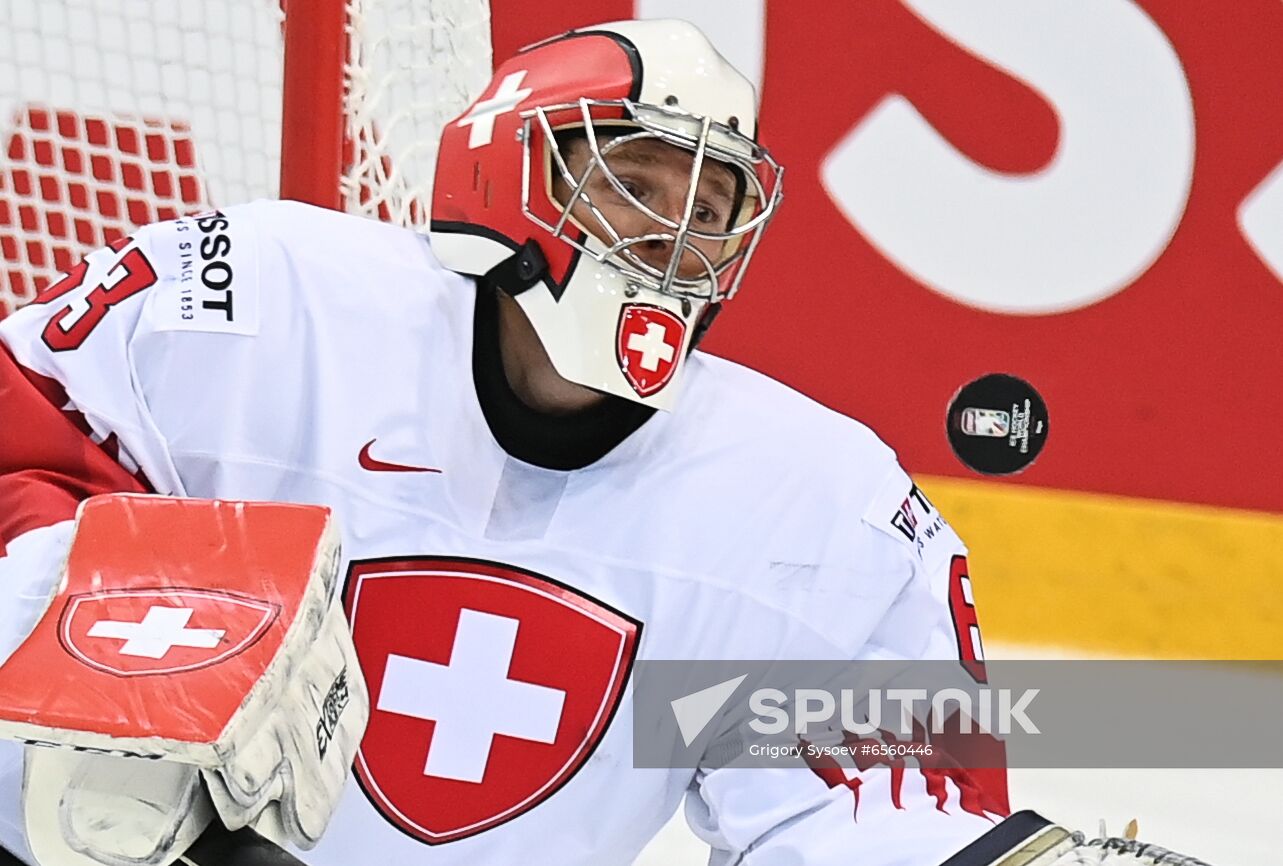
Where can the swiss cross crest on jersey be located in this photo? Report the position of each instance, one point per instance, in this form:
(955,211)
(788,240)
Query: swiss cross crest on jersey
(134,632)
(490,686)
(648,346)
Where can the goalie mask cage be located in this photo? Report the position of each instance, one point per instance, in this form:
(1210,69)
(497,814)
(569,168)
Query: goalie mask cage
(118,113)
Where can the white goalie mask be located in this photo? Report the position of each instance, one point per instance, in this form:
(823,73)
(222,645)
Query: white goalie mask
(609,179)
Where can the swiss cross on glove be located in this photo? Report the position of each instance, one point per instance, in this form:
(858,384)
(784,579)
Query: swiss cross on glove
(202,635)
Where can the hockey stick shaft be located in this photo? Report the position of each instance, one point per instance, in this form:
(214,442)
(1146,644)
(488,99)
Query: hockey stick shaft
(218,846)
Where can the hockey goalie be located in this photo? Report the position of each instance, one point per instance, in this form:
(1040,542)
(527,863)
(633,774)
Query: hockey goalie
(320,526)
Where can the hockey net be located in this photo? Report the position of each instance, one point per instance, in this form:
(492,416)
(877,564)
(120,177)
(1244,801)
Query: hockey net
(117,113)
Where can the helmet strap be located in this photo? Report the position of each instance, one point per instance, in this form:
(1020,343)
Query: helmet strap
(705,322)
(521,270)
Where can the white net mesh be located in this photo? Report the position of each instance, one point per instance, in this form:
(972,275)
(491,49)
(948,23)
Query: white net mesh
(414,65)
(116,113)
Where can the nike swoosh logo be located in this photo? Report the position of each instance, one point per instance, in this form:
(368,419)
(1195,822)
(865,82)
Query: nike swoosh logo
(373,465)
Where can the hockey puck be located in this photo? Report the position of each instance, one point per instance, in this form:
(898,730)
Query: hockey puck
(997,424)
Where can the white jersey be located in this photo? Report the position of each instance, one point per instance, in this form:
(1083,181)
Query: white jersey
(279,352)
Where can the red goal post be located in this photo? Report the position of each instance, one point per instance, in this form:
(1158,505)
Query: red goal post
(113,115)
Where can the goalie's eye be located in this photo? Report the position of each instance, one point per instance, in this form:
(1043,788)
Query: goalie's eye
(633,188)
(708,216)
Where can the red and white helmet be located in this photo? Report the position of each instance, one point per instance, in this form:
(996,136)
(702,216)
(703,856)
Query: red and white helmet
(608,318)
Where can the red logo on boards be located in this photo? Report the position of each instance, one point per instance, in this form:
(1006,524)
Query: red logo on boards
(648,345)
(160,631)
(489,688)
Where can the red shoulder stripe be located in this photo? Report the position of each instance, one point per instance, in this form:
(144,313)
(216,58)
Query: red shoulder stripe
(47,462)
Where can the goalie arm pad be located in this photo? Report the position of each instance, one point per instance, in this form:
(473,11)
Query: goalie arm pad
(1028,839)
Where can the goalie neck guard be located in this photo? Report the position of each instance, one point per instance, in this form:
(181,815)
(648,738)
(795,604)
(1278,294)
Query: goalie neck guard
(616,307)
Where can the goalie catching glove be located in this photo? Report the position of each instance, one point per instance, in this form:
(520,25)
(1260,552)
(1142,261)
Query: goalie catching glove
(204,636)
(1028,839)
